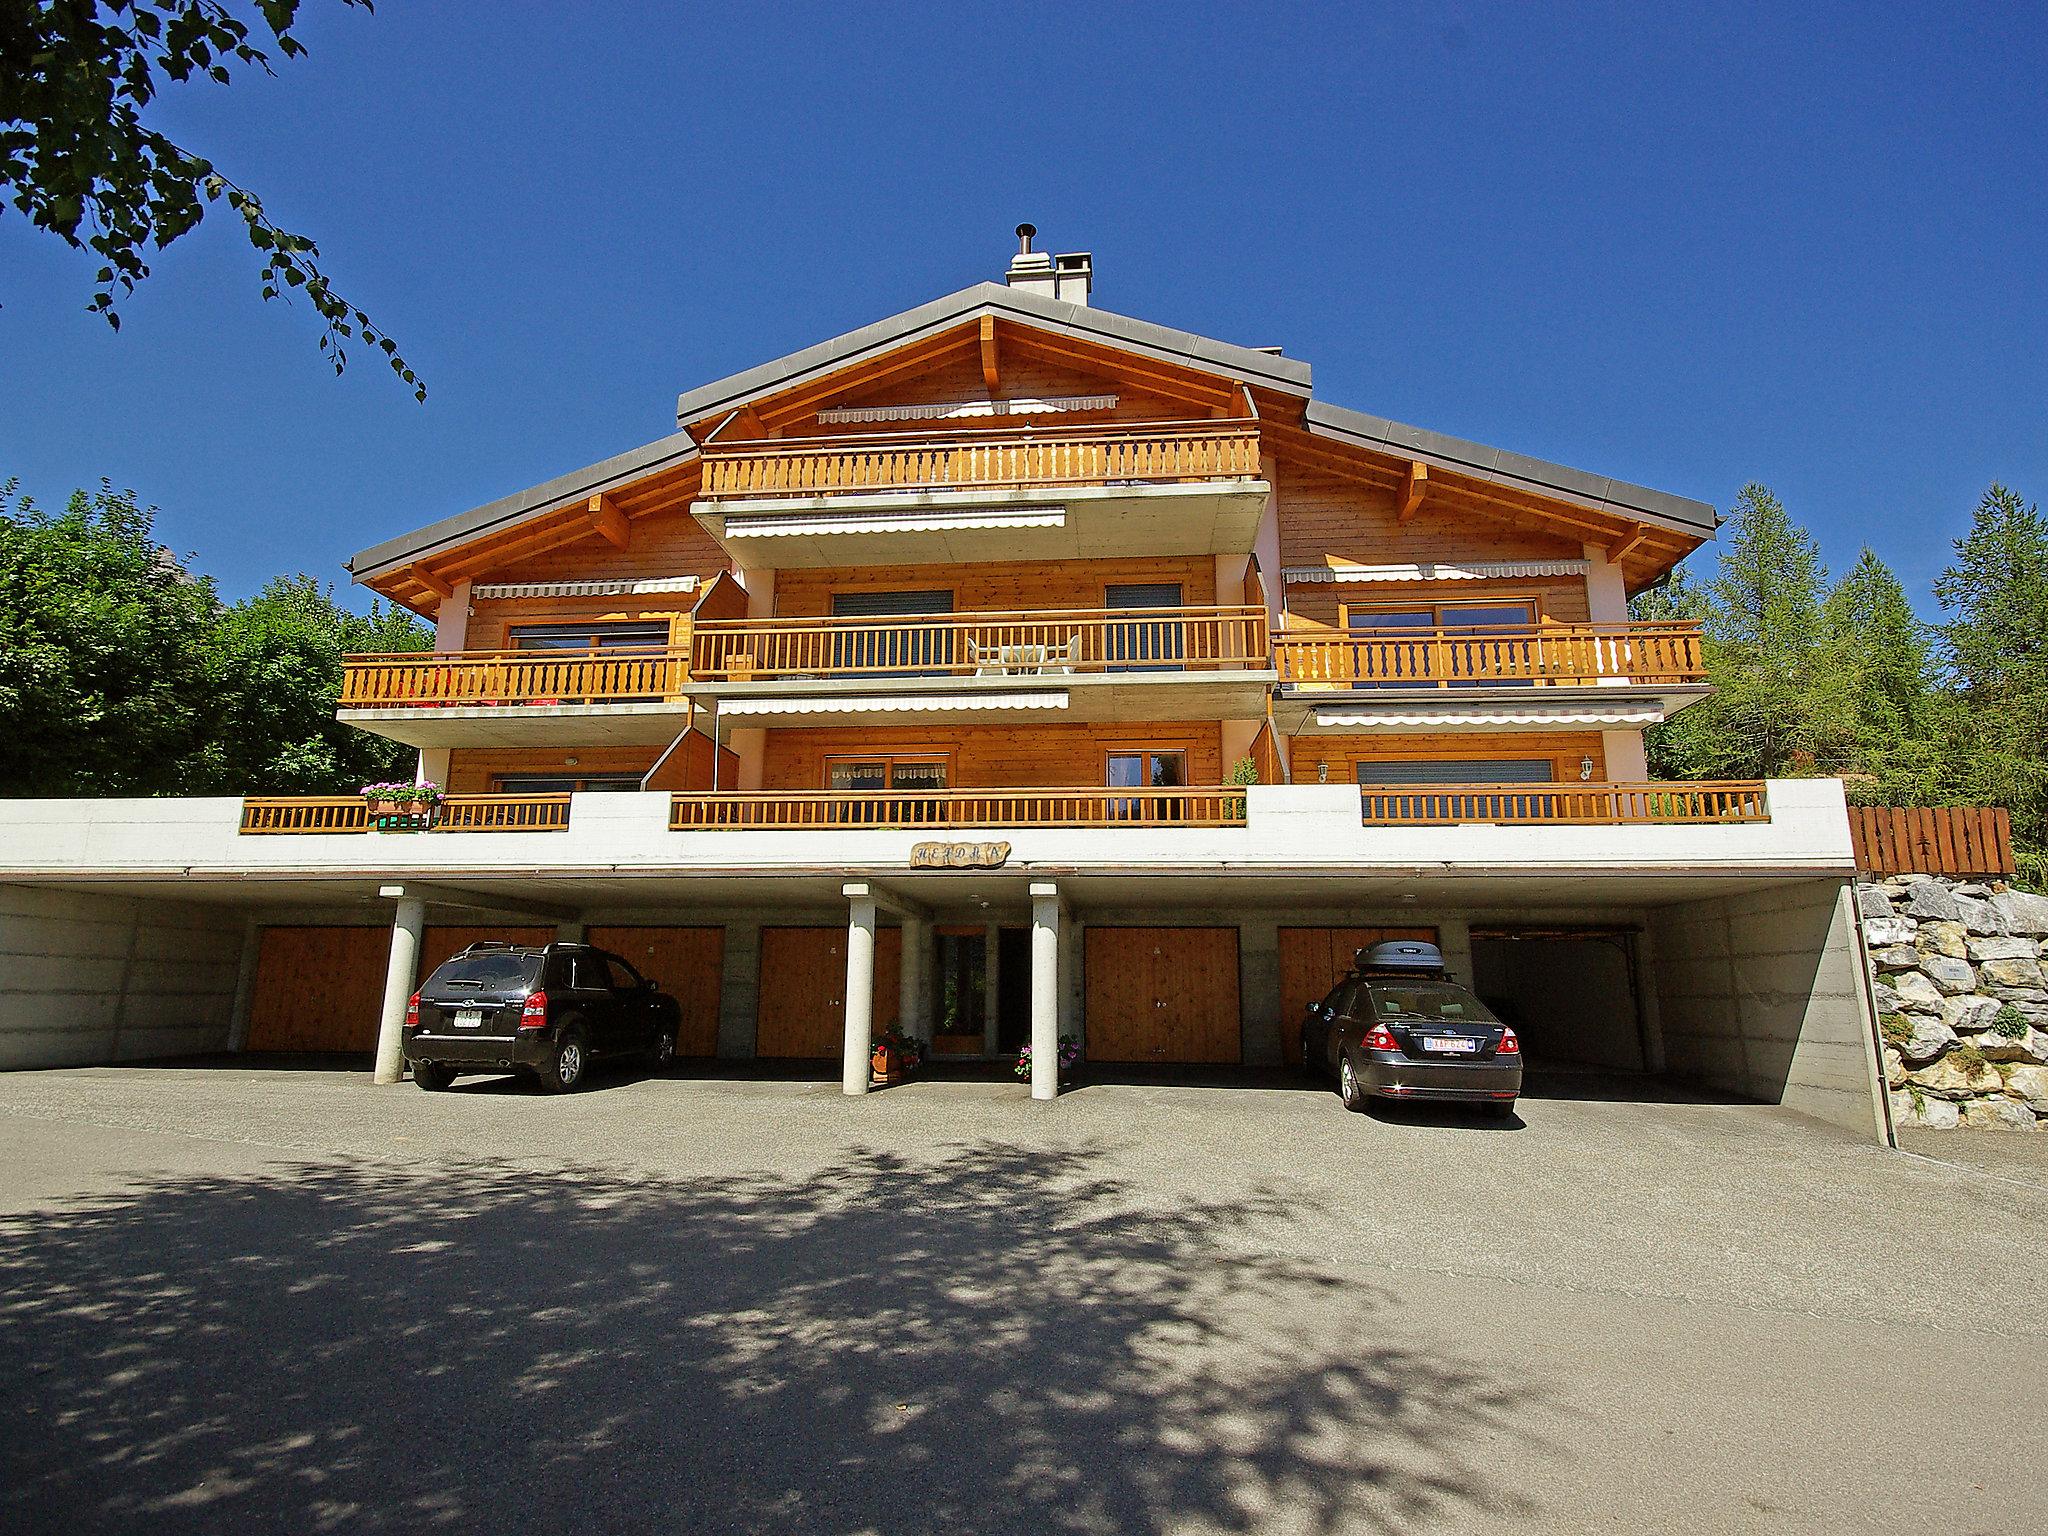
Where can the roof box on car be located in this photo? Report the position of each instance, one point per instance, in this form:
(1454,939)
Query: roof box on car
(1400,955)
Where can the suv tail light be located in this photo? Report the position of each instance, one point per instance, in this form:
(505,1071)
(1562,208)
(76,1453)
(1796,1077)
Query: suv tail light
(1377,1039)
(533,1013)
(412,1012)
(1509,1045)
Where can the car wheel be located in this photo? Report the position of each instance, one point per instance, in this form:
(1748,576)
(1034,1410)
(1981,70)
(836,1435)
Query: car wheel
(1349,1088)
(431,1077)
(664,1053)
(572,1060)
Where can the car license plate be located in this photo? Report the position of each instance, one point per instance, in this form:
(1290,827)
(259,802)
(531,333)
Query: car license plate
(469,1018)
(1450,1045)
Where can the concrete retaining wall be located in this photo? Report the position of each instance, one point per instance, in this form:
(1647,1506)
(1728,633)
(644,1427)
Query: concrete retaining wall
(1764,995)
(86,978)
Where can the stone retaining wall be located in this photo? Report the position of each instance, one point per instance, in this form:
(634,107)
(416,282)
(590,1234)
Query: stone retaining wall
(1962,1003)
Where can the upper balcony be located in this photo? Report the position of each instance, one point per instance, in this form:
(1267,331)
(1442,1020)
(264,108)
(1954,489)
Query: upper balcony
(966,495)
(1586,674)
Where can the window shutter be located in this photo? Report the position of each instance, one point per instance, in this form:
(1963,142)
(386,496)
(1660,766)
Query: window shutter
(1507,770)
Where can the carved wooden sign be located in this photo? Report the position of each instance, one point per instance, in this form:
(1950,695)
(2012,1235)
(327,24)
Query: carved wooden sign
(959,855)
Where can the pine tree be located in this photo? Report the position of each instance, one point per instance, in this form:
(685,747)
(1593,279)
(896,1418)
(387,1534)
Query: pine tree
(1877,657)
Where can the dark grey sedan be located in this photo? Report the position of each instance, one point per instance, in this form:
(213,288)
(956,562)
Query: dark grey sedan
(1412,1036)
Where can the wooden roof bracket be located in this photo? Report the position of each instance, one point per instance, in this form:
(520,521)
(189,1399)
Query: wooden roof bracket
(991,370)
(1414,490)
(437,585)
(608,520)
(1616,553)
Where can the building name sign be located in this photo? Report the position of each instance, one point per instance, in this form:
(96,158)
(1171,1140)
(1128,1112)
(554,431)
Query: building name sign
(959,855)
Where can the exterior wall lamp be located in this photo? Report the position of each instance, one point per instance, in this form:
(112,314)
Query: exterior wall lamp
(1585,769)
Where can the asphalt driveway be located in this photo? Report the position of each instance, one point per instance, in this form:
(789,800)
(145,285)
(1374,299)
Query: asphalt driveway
(247,1300)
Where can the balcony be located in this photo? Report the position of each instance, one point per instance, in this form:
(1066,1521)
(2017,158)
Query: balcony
(271,815)
(815,810)
(1553,655)
(961,496)
(1578,805)
(1079,664)
(519,698)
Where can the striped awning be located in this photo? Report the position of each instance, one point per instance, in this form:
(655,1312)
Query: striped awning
(894,703)
(793,525)
(1366,718)
(966,410)
(1435,570)
(584,588)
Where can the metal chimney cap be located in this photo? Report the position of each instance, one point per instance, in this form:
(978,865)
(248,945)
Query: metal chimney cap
(1024,234)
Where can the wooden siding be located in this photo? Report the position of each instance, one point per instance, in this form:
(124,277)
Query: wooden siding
(318,989)
(688,964)
(1318,605)
(474,770)
(1312,960)
(665,543)
(1162,994)
(1022,376)
(1007,587)
(1343,753)
(1932,840)
(803,990)
(990,757)
(1326,517)
(491,625)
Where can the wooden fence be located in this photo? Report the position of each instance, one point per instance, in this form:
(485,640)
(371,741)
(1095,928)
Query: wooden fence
(1932,840)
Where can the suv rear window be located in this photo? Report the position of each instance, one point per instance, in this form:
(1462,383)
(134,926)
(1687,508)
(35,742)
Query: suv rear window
(486,971)
(1438,1002)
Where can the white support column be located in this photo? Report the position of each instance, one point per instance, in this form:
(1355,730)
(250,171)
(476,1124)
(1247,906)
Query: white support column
(914,990)
(1627,762)
(1454,940)
(408,923)
(860,990)
(1045,990)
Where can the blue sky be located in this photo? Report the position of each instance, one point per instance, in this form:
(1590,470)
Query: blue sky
(1800,245)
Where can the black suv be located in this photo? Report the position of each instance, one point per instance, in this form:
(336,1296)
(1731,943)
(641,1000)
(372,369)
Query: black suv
(546,1010)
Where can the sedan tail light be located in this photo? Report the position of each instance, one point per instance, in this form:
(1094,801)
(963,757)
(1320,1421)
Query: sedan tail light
(1509,1045)
(1377,1039)
(412,1012)
(533,1013)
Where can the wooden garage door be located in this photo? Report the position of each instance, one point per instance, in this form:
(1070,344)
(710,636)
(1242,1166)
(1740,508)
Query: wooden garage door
(803,990)
(689,965)
(1162,994)
(1312,960)
(318,989)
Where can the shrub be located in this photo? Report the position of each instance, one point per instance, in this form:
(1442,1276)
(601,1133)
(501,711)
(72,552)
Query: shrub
(2010,1024)
(1896,1028)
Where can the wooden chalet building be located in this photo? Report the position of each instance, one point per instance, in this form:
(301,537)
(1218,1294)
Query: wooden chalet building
(1010,668)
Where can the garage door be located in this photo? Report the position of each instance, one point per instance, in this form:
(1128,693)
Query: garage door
(1311,961)
(318,989)
(803,990)
(689,964)
(1162,994)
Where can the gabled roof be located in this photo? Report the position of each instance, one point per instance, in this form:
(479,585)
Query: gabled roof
(1247,365)
(1263,370)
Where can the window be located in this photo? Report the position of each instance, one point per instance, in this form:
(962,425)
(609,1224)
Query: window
(872,777)
(1147,770)
(1477,770)
(1142,647)
(564,783)
(588,971)
(651,635)
(890,650)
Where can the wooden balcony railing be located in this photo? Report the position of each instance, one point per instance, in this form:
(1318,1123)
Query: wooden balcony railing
(457,813)
(824,809)
(1393,805)
(984,644)
(1148,453)
(424,679)
(1554,654)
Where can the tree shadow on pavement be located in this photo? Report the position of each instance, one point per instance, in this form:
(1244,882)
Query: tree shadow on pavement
(980,1340)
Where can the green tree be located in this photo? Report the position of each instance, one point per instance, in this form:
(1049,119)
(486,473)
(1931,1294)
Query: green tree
(76,156)
(1994,649)
(1877,657)
(275,665)
(1776,707)
(103,648)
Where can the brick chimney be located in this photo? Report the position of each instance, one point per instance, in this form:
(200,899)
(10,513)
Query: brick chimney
(1068,277)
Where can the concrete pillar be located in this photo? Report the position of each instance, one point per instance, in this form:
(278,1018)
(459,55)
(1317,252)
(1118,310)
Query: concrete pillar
(1454,938)
(749,743)
(245,985)
(408,923)
(739,993)
(1627,762)
(1262,1033)
(860,991)
(1648,1012)
(1045,990)
(451,620)
(433,766)
(992,989)
(1606,596)
(914,990)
